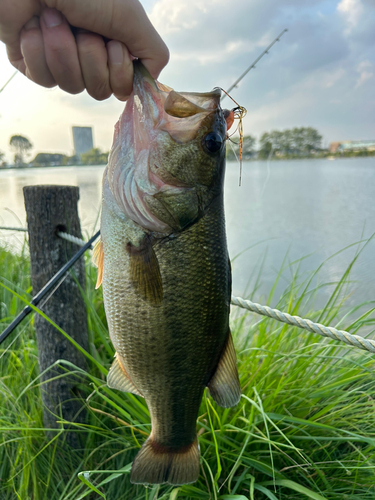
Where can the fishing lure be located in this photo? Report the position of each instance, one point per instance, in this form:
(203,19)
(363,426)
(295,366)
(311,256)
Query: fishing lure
(239,114)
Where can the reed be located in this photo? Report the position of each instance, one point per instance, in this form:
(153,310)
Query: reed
(304,429)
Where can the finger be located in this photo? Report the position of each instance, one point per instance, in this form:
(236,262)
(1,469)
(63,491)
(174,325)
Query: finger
(61,51)
(14,14)
(120,70)
(32,49)
(125,21)
(92,55)
(16,58)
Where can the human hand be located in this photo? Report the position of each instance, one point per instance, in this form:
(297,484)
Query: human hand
(60,42)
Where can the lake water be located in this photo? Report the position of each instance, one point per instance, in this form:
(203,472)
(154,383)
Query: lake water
(284,211)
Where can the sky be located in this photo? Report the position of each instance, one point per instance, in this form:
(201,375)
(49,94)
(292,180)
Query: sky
(321,73)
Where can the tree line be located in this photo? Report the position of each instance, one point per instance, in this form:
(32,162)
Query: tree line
(21,147)
(295,142)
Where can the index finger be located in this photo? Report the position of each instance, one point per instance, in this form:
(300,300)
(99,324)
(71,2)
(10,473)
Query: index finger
(14,14)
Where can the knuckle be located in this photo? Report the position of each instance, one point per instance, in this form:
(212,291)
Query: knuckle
(50,84)
(121,97)
(97,85)
(41,78)
(121,93)
(88,44)
(121,85)
(100,92)
(72,89)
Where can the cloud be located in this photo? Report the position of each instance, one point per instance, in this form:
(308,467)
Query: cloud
(366,72)
(352,10)
(320,73)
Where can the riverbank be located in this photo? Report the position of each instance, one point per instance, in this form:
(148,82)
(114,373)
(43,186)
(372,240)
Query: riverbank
(316,156)
(325,155)
(305,401)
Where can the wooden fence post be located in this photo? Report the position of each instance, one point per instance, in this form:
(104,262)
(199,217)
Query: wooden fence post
(50,209)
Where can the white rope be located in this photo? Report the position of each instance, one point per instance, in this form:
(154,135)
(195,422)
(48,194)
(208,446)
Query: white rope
(61,234)
(71,238)
(332,333)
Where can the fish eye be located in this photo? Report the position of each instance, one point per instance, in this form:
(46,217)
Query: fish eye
(213,142)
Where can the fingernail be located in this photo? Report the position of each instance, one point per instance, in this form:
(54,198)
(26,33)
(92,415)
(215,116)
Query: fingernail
(33,23)
(52,18)
(115,52)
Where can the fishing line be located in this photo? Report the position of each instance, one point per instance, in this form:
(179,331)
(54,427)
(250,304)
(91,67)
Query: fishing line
(241,109)
(268,173)
(234,151)
(10,79)
(254,63)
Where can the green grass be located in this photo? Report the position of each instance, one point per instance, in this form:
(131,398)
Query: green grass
(304,429)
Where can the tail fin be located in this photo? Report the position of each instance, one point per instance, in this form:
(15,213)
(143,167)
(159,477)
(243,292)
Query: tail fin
(157,464)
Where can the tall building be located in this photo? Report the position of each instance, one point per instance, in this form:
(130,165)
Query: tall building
(82,138)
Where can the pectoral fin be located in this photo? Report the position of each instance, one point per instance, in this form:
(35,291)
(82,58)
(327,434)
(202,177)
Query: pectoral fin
(145,271)
(117,378)
(224,386)
(97,259)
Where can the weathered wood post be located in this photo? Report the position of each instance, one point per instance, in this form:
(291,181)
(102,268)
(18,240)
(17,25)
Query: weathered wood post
(50,209)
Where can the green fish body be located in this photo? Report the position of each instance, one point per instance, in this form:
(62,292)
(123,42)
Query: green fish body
(164,266)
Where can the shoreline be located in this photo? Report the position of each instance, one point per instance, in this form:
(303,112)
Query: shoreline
(247,160)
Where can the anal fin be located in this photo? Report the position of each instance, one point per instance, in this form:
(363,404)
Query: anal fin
(118,378)
(225,386)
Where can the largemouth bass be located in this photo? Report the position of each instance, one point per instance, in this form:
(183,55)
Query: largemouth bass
(165,270)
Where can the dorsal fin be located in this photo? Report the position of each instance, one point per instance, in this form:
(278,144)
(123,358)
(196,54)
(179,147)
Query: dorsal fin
(97,259)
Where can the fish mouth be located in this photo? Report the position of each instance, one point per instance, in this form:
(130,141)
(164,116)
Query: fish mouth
(154,107)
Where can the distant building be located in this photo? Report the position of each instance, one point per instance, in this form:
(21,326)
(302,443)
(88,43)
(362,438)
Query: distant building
(333,147)
(341,147)
(82,138)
